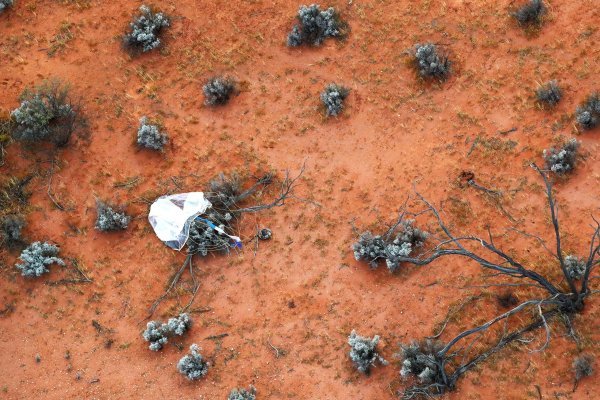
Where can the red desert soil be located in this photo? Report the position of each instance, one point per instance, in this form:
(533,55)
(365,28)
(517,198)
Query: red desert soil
(302,292)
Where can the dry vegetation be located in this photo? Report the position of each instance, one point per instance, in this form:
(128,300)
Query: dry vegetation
(426,139)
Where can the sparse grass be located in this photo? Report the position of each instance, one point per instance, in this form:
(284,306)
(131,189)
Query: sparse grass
(59,42)
(13,195)
(80,4)
(6,127)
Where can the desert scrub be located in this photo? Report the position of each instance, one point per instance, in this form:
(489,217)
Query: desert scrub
(10,230)
(193,365)
(146,30)
(157,334)
(420,360)
(315,26)
(46,113)
(242,394)
(375,248)
(4,4)
(588,114)
(218,91)
(179,325)
(575,266)
(549,94)
(223,193)
(582,366)
(13,194)
(562,160)
(530,13)
(37,257)
(333,98)
(6,128)
(149,136)
(430,62)
(109,219)
(363,352)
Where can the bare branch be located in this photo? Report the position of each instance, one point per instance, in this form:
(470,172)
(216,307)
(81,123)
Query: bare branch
(553,214)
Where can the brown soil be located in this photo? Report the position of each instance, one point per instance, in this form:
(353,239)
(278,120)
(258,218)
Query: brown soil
(302,292)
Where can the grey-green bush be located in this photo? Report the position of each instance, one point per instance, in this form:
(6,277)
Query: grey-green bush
(203,238)
(180,324)
(315,26)
(158,333)
(430,63)
(333,98)
(46,114)
(420,360)
(562,160)
(218,91)
(4,4)
(223,190)
(363,352)
(375,248)
(582,366)
(109,219)
(146,30)
(149,136)
(530,13)
(575,266)
(243,394)
(549,94)
(10,230)
(37,257)
(193,366)
(588,114)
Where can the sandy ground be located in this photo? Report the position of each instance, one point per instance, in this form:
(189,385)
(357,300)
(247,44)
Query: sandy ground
(302,292)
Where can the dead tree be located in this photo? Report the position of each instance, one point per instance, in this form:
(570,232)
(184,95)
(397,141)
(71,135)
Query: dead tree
(437,366)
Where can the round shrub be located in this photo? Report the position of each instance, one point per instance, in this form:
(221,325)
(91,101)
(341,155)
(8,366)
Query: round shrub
(375,248)
(5,4)
(333,99)
(145,31)
(588,114)
(430,63)
(156,335)
(530,13)
(549,94)
(149,136)
(218,91)
(315,26)
(45,114)
(242,394)
(193,366)
(108,219)
(363,352)
(562,160)
(36,259)
(10,230)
